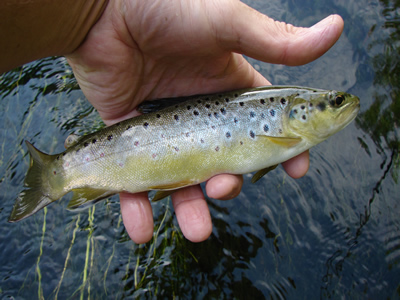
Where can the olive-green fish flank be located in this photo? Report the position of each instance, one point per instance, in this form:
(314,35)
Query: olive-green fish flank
(178,143)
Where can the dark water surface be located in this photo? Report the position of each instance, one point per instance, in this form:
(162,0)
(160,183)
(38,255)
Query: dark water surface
(333,234)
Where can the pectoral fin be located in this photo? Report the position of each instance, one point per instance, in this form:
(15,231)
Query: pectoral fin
(282,141)
(86,196)
(261,173)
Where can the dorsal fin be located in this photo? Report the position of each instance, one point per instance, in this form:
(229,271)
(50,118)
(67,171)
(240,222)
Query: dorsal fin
(159,104)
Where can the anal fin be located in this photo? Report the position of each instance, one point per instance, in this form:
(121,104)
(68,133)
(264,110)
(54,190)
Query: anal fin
(85,196)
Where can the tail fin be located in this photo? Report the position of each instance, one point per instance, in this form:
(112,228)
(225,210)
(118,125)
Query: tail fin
(34,197)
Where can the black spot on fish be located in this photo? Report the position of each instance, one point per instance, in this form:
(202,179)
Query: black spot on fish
(266,128)
(262,101)
(209,115)
(295,111)
(202,141)
(145,125)
(217,148)
(252,134)
(321,106)
(199,101)
(129,127)
(272,113)
(303,107)
(110,137)
(94,141)
(241,142)
(262,115)
(235,120)
(228,134)
(208,106)
(271,99)
(227,100)
(283,101)
(176,149)
(241,103)
(187,134)
(216,102)
(252,114)
(236,95)
(216,115)
(54,172)
(86,144)
(136,143)
(223,111)
(304,117)
(188,107)
(310,105)
(212,127)
(176,117)
(157,115)
(196,113)
(280,131)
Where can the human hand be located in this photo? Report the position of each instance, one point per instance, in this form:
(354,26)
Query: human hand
(141,50)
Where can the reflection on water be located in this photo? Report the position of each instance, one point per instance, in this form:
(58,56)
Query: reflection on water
(332,234)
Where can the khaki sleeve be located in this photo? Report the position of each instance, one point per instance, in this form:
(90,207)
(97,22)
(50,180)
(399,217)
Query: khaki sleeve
(33,29)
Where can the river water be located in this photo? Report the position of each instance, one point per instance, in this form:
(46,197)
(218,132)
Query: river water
(334,233)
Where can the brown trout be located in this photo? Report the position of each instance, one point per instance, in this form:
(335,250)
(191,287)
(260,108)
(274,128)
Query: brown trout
(185,141)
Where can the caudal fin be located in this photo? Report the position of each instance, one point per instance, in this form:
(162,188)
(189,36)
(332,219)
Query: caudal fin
(34,197)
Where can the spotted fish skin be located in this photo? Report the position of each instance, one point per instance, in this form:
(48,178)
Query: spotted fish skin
(186,143)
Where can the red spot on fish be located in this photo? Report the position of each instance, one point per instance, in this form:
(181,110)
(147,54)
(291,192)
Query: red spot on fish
(54,172)
(101,154)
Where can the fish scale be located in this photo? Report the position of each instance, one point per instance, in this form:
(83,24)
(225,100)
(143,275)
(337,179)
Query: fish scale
(185,141)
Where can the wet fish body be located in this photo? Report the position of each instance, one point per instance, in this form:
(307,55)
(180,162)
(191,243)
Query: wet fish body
(186,143)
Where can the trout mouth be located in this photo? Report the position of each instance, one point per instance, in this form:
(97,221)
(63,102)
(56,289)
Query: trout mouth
(349,111)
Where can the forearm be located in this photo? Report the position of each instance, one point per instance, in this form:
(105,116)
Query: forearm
(34,29)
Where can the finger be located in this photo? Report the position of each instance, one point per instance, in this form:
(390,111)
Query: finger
(137,216)
(192,213)
(297,166)
(258,36)
(224,186)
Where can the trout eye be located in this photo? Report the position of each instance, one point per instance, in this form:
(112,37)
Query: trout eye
(339,99)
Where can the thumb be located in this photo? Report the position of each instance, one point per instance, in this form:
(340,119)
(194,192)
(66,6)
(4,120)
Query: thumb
(260,37)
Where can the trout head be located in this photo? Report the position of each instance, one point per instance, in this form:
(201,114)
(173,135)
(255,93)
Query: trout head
(318,115)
